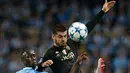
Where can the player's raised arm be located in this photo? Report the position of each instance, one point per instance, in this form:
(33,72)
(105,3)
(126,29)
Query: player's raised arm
(81,57)
(106,7)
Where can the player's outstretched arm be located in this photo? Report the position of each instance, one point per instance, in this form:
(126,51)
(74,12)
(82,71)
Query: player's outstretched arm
(47,63)
(44,61)
(106,7)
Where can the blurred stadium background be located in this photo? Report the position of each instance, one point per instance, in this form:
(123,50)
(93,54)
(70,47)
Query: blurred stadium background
(27,24)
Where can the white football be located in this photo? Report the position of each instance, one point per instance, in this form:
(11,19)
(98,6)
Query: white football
(78,31)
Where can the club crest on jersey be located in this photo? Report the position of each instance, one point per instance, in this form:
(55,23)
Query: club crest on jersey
(68,57)
(64,52)
(57,52)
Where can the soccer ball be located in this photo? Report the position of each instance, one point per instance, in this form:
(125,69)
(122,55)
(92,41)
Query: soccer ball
(78,31)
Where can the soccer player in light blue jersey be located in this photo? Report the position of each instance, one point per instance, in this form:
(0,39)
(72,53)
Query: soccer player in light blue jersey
(29,59)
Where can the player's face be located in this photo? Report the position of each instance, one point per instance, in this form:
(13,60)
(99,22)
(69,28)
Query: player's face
(30,58)
(60,39)
(102,64)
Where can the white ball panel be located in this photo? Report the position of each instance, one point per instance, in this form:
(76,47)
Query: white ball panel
(76,35)
(72,30)
(76,24)
(82,26)
(85,35)
(82,32)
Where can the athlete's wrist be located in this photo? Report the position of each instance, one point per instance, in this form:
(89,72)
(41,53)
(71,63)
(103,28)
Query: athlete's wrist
(104,10)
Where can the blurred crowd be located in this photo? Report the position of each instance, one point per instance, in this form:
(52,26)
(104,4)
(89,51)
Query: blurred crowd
(26,24)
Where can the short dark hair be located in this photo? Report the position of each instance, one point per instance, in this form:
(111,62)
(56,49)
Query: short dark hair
(24,54)
(58,28)
(24,57)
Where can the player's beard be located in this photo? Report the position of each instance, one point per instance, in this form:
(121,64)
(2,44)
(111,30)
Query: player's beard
(61,44)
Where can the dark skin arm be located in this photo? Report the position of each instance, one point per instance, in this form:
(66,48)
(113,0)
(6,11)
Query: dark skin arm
(81,57)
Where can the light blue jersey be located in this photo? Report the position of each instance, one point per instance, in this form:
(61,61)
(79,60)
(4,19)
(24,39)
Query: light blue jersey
(28,70)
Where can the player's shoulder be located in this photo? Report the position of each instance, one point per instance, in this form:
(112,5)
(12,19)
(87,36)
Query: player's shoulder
(48,52)
(26,70)
(41,72)
(51,49)
(20,71)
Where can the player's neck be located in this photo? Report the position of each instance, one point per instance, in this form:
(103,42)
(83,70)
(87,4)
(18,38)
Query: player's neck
(58,46)
(55,45)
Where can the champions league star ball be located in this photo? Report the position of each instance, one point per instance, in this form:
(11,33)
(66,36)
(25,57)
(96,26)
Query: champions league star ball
(78,31)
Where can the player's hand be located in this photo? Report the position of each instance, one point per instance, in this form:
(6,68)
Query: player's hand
(81,57)
(47,63)
(108,5)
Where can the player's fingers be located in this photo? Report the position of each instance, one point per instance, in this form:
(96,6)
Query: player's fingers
(105,1)
(48,64)
(84,53)
(45,64)
(81,55)
(50,61)
(85,57)
(112,2)
(111,5)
